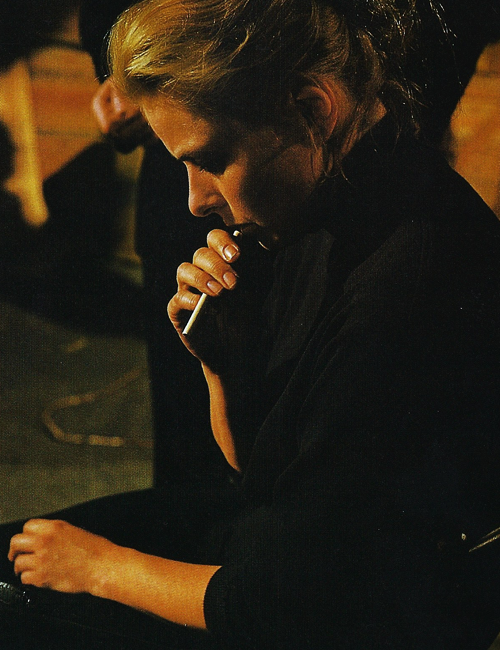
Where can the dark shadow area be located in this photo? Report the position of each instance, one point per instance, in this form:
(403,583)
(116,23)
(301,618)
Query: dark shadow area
(13,231)
(26,25)
(65,271)
(71,323)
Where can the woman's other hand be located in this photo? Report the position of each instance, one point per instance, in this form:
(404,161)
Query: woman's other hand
(55,554)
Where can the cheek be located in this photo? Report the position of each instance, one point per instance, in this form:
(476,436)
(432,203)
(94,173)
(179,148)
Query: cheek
(258,199)
(275,191)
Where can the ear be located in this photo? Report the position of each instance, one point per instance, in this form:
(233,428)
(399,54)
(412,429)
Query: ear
(318,104)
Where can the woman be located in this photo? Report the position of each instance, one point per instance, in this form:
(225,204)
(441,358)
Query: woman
(354,385)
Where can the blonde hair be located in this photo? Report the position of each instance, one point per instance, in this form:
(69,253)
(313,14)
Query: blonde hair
(242,59)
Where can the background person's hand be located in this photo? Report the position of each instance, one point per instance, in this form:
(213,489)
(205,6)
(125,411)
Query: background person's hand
(120,120)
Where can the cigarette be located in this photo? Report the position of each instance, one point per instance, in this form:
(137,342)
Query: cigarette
(194,316)
(199,307)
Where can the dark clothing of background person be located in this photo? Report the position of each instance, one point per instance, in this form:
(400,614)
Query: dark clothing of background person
(26,25)
(370,449)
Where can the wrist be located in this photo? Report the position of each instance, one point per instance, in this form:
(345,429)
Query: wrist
(105,569)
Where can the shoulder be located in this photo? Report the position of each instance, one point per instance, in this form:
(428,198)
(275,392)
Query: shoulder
(437,229)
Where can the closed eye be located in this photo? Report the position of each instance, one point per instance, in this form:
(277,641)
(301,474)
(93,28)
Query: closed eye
(212,163)
(213,158)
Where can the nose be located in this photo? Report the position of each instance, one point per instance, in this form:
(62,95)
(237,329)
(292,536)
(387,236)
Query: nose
(204,195)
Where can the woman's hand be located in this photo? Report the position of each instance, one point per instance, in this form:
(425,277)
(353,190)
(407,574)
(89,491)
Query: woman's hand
(210,273)
(57,555)
(227,337)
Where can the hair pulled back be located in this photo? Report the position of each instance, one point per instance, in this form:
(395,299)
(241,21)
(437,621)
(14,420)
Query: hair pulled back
(242,59)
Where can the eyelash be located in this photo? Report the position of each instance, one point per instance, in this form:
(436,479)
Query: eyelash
(212,166)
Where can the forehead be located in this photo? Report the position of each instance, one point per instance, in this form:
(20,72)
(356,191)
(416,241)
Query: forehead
(188,136)
(181,131)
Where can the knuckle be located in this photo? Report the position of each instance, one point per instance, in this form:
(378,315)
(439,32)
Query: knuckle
(210,262)
(189,300)
(183,300)
(14,541)
(181,268)
(200,255)
(176,302)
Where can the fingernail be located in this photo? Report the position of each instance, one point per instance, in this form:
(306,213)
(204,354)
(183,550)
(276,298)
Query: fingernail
(214,287)
(229,279)
(230,251)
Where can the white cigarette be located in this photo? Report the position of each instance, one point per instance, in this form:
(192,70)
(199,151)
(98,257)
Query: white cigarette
(199,307)
(194,316)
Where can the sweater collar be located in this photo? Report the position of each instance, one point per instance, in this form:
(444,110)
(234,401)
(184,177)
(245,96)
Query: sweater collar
(356,206)
(352,215)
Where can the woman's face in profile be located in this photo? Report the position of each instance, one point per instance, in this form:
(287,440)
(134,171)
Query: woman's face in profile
(248,177)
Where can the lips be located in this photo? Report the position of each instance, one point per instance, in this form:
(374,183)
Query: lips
(253,231)
(249,229)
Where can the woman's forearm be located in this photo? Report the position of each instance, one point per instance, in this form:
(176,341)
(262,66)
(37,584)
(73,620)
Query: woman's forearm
(169,589)
(219,417)
(57,555)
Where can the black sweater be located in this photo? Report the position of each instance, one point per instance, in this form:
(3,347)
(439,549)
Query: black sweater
(375,468)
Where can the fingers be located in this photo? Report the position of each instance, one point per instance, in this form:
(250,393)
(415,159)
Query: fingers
(28,540)
(23,564)
(23,542)
(55,554)
(208,274)
(20,544)
(210,271)
(224,245)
